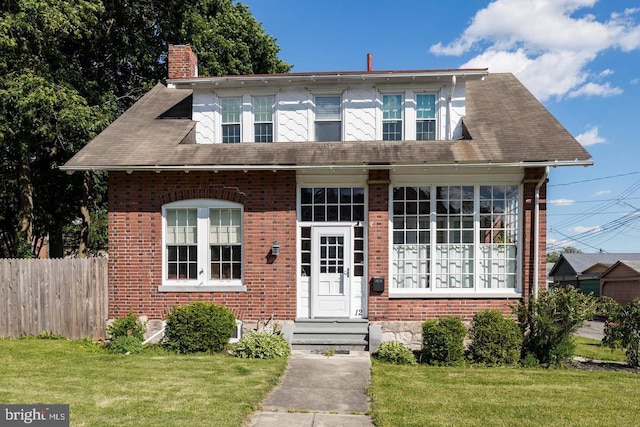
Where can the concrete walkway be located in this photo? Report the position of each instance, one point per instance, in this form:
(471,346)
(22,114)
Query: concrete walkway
(593,329)
(318,390)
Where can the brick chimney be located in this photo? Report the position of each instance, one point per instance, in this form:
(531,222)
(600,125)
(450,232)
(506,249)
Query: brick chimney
(182,62)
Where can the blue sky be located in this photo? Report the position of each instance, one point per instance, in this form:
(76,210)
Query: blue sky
(580,58)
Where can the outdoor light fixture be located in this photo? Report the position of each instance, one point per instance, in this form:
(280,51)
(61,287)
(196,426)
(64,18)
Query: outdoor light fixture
(275,248)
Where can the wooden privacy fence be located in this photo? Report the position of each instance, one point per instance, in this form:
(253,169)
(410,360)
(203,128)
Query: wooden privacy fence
(63,296)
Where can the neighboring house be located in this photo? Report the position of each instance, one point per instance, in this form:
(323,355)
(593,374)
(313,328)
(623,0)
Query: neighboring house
(384,197)
(583,270)
(621,281)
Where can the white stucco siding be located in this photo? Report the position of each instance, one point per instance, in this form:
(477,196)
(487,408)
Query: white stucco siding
(293,115)
(203,115)
(457,109)
(359,114)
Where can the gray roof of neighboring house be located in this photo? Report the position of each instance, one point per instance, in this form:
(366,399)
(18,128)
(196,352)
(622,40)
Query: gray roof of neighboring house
(581,262)
(504,123)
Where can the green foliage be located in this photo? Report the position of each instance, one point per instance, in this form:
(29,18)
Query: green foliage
(495,339)
(130,325)
(554,256)
(49,335)
(622,330)
(605,306)
(199,327)
(126,345)
(549,322)
(443,341)
(262,345)
(396,353)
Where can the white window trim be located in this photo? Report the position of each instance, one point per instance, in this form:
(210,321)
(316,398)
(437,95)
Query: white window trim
(202,284)
(250,118)
(312,111)
(475,292)
(410,114)
(247,133)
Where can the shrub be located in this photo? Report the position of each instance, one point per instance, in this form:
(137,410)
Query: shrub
(549,322)
(443,341)
(198,327)
(396,353)
(605,306)
(262,345)
(495,339)
(126,344)
(129,325)
(622,330)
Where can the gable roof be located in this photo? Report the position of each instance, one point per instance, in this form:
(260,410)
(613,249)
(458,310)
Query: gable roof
(580,263)
(504,124)
(633,265)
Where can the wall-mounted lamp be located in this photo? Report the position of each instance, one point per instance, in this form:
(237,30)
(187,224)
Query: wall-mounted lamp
(275,248)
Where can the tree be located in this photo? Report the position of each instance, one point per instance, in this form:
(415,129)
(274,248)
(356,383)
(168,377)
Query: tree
(554,256)
(69,68)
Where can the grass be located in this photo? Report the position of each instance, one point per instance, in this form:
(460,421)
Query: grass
(593,349)
(472,396)
(157,389)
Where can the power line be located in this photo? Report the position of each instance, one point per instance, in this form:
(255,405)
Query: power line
(593,179)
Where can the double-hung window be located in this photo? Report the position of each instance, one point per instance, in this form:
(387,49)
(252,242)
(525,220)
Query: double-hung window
(392,117)
(451,239)
(202,244)
(328,123)
(231,108)
(263,118)
(425,117)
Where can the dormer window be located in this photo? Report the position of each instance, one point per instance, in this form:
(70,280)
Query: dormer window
(391,117)
(328,118)
(231,120)
(425,117)
(263,118)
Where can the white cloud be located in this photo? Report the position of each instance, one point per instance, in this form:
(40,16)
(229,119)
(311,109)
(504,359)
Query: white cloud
(595,89)
(635,81)
(602,192)
(582,229)
(547,44)
(590,137)
(562,202)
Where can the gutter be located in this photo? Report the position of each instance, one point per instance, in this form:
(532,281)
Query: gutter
(536,233)
(364,166)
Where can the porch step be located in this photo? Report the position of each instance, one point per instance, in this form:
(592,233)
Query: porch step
(330,334)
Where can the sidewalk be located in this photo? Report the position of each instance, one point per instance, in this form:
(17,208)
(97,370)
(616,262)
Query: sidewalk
(317,390)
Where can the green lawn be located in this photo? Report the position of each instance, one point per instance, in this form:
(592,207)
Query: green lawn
(159,389)
(472,396)
(593,349)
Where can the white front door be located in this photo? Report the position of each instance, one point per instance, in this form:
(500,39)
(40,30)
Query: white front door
(331,271)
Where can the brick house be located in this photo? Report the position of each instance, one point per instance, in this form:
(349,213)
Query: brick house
(381,198)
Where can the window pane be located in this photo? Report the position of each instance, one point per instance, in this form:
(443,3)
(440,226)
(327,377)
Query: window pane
(263,109)
(328,108)
(392,107)
(328,131)
(392,131)
(426,106)
(231,110)
(230,134)
(426,130)
(263,132)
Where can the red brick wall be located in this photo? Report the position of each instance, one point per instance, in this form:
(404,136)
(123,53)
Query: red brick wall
(135,240)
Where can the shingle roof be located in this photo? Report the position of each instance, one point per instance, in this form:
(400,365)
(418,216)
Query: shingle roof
(582,262)
(503,119)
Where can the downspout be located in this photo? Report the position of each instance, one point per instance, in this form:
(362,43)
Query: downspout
(536,232)
(449,127)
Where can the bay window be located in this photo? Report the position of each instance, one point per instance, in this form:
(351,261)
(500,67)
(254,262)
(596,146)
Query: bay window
(454,239)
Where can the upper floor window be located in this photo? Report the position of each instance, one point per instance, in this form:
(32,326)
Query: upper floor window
(328,118)
(391,117)
(231,108)
(263,118)
(425,117)
(203,243)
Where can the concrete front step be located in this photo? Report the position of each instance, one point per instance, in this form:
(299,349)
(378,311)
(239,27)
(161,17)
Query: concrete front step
(330,334)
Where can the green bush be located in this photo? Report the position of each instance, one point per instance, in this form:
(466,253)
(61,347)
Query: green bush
(126,344)
(396,353)
(495,339)
(605,306)
(129,325)
(262,345)
(443,341)
(198,327)
(549,322)
(622,330)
